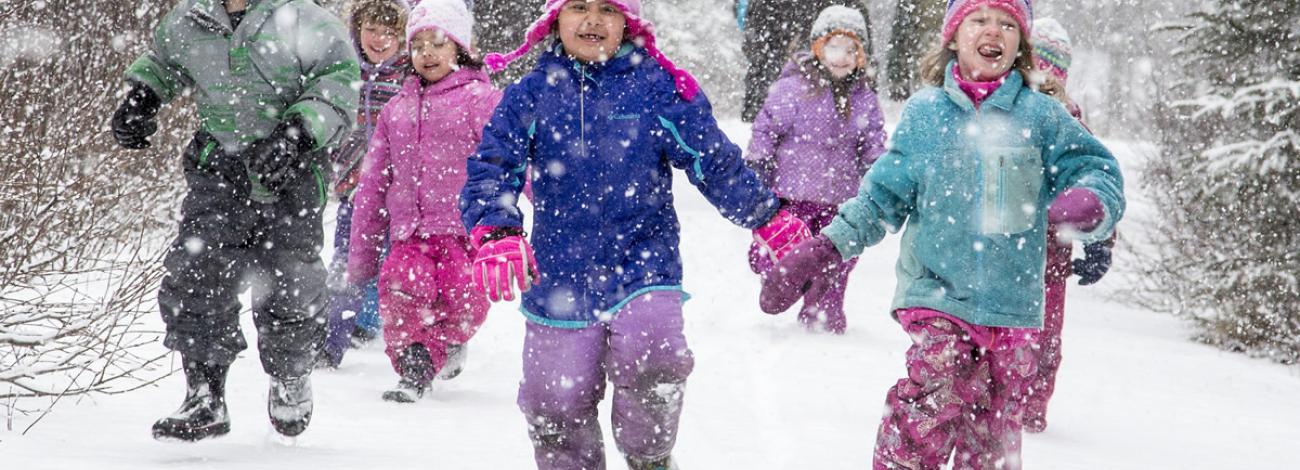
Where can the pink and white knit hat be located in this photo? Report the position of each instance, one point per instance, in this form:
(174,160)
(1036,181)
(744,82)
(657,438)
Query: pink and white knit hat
(1052,51)
(641,30)
(449,16)
(1022,10)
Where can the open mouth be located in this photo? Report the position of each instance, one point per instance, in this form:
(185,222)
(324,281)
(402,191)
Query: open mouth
(591,37)
(991,51)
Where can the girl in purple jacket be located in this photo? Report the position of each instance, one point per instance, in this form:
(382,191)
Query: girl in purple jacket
(817,134)
(409,191)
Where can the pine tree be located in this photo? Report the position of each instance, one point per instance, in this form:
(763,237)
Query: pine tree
(1228,186)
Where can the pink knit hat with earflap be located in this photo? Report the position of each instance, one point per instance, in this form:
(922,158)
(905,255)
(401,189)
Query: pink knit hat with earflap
(1022,10)
(641,31)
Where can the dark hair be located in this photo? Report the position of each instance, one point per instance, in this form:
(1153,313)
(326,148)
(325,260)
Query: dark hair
(816,73)
(465,59)
(386,13)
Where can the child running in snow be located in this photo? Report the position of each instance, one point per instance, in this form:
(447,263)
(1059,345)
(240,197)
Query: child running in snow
(1052,58)
(978,167)
(409,191)
(378,34)
(601,121)
(817,134)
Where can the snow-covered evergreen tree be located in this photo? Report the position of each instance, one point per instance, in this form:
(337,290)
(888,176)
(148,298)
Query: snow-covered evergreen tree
(1228,184)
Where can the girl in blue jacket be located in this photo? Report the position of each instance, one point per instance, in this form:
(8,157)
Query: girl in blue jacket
(598,126)
(978,166)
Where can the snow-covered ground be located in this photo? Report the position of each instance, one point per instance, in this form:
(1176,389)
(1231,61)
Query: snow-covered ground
(1133,393)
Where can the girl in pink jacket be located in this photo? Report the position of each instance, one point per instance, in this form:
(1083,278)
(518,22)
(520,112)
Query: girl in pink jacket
(410,186)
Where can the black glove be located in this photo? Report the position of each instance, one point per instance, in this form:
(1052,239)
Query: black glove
(1095,263)
(275,160)
(133,122)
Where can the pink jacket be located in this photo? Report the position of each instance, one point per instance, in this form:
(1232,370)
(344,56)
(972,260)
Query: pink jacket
(415,169)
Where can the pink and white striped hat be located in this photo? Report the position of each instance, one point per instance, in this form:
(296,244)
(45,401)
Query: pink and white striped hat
(1022,10)
(641,30)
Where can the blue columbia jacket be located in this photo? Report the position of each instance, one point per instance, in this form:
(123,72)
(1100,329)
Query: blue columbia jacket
(601,141)
(972,187)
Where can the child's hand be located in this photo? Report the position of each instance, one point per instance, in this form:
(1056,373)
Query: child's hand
(504,255)
(781,234)
(1078,209)
(1095,263)
(133,122)
(801,272)
(275,159)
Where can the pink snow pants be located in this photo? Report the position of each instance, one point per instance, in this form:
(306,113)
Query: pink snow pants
(1047,342)
(426,296)
(962,393)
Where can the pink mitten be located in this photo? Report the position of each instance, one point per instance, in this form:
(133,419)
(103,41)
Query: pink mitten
(1078,208)
(781,234)
(503,256)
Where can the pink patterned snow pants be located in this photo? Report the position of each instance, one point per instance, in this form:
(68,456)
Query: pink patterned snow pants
(963,392)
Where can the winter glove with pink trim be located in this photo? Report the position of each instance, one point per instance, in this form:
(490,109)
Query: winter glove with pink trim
(779,235)
(798,273)
(503,255)
(133,122)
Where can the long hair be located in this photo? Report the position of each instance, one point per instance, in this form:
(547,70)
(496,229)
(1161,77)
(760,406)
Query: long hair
(935,63)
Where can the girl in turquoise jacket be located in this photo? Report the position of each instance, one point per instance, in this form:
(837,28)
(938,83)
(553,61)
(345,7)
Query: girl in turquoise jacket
(970,177)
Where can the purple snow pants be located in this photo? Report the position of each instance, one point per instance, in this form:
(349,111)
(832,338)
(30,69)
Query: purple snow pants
(828,311)
(962,393)
(643,353)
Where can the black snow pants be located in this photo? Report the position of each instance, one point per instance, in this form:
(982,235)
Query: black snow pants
(227,243)
(774,29)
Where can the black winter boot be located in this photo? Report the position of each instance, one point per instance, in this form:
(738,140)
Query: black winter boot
(417,374)
(664,463)
(457,354)
(289,404)
(203,413)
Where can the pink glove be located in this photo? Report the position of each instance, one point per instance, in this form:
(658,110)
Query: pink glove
(1078,208)
(781,234)
(503,255)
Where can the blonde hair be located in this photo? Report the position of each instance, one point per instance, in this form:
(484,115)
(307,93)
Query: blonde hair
(935,63)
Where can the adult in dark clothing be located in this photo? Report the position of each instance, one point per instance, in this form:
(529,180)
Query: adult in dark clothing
(910,38)
(498,26)
(773,30)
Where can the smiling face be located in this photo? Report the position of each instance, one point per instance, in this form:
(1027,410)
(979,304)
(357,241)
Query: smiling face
(378,42)
(433,55)
(987,43)
(840,55)
(591,30)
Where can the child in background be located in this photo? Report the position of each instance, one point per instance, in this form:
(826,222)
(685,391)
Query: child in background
(817,134)
(601,121)
(409,190)
(1052,57)
(977,168)
(378,30)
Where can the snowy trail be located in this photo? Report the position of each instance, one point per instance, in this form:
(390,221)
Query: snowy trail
(1133,392)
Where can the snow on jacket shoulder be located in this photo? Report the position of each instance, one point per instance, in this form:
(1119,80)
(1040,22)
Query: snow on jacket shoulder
(412,175)
(804,149)
(602,140)
(972,188)
(286,58)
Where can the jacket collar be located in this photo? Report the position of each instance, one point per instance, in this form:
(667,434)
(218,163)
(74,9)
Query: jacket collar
(1004,98)
(414,85)
(212,13)
(627,58)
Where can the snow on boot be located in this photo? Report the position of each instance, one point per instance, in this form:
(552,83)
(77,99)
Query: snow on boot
(457,354)
(417,373)
(289,404)
(664,463)
(203,413)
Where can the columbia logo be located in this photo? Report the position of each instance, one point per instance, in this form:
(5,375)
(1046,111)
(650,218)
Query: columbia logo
(624,117)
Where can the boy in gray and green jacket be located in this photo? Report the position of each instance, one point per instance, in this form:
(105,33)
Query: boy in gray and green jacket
(273,80)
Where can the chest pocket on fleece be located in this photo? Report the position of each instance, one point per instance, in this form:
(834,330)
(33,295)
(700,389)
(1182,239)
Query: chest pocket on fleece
(1012,178)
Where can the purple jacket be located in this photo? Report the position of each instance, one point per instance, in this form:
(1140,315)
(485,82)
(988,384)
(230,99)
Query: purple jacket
(415,169)
(805,150)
